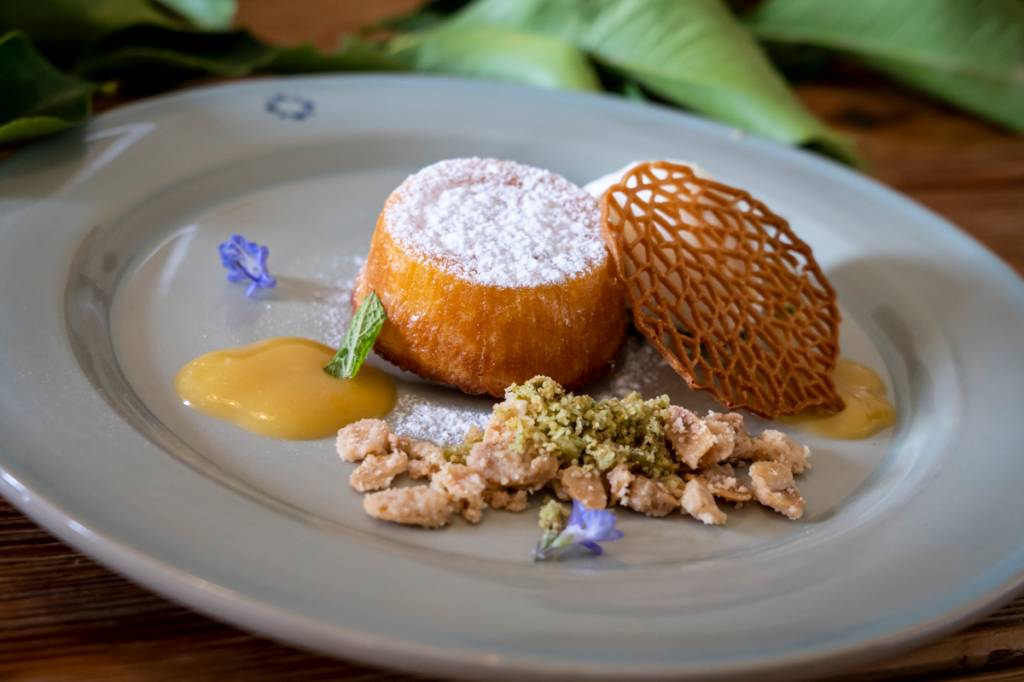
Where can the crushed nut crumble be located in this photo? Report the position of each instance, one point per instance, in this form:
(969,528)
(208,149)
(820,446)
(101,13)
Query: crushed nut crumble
(645,455)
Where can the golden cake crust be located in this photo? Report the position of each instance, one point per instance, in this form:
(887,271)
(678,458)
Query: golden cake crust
(479,337)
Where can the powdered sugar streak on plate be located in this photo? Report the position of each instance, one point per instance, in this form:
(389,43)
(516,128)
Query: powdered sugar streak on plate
(426,419)
(425,413)
(498,223)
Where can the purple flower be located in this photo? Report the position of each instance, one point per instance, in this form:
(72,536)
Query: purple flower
(246,262)
(584,530)
(591,526)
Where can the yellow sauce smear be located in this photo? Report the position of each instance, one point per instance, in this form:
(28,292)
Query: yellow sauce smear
(867,410)
(278,388)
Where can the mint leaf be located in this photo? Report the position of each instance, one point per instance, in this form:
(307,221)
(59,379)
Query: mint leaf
(359,339)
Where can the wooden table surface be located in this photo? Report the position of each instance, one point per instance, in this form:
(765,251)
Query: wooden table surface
(63,617)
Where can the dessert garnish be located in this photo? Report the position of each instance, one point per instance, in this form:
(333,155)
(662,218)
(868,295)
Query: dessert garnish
(646,455)
(359,338)
(724,289)
(578,534)
(246,261)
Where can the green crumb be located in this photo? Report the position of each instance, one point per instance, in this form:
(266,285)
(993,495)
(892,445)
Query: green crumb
(544,418)
(457,453)
(553,516)
(674,484)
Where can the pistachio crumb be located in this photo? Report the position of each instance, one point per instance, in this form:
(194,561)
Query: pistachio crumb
(456,454)
(553,515)
(593,434)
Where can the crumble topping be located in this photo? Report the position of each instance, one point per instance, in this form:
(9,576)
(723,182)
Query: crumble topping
(376,472)
(584,485)
(774,487)
(723,481)
(775,446)
(362,438)
(651,498)
(464,487)
(699,502)
(425,458)
(419,505)
(646,455)
(619,479)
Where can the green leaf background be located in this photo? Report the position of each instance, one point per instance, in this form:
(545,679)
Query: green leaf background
(968,53)
(76,23)
(210,15)
(500,53)
(696,54)
(38,99)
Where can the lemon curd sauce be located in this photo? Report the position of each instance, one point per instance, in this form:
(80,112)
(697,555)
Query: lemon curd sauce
(867,410)
(278,388)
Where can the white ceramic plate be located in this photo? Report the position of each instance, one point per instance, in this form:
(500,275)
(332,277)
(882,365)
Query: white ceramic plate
(109,282)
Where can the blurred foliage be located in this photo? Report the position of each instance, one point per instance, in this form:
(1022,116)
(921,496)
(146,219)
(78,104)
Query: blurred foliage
(970,54)
(693,54)
(499,53)
(702,55)
(38,99)
(149,58)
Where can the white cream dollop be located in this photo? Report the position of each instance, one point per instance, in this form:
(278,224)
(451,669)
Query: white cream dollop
(598,186)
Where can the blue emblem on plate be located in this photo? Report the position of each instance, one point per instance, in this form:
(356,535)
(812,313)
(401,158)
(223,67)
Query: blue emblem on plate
(290,107)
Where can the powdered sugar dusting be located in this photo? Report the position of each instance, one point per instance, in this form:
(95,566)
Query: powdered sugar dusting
(315,305)
(425,419)
(640,369)
(332,308)
(499,223)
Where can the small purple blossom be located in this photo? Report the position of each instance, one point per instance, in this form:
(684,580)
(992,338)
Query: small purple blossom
(584,530)
(591,526)
(246,262)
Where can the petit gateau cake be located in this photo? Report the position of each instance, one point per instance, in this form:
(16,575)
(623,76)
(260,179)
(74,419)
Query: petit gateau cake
(492,272)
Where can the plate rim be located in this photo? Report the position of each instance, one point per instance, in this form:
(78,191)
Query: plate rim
(187,590)
(183,587)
